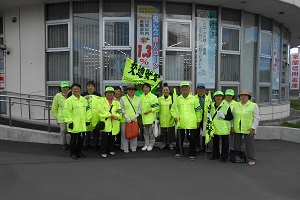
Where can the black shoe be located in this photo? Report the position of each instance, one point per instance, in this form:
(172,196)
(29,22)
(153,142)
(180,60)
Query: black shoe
(74,157)
(80,155)
(223,160)
(208,151)
(214,157)
(85,148)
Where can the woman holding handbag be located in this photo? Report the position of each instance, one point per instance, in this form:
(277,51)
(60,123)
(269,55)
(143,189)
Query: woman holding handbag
(131,108)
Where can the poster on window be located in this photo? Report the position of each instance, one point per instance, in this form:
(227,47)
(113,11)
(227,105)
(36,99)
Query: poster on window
(294,71)
(206,36)
(148,36)
(276,58)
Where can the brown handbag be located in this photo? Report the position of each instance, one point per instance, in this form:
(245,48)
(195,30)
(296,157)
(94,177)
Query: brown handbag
(132,130)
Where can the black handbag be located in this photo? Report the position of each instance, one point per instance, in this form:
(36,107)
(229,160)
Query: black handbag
(237,156)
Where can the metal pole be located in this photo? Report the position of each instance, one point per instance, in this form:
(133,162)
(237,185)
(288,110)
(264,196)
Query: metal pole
(9,102)
(49,128)
(29,115)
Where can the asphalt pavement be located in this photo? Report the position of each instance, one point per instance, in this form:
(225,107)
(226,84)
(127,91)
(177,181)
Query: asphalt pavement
(32,171)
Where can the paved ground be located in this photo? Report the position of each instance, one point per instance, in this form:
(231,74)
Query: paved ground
(42,172)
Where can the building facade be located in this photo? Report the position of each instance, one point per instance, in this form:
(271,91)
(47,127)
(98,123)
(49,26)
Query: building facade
(222,44)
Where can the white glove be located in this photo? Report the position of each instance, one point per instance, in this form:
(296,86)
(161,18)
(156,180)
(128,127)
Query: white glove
(208,115)
(127,119)
(221,115)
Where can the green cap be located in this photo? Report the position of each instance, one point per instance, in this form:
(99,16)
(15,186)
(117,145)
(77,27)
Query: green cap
(184,84)
(229,92)
(64,84)
(109,89)
(218,93)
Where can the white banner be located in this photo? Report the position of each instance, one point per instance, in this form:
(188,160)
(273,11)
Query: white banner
(294,71)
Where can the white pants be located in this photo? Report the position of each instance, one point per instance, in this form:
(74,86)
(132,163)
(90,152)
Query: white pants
(124,141)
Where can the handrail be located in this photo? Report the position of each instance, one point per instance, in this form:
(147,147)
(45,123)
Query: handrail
(28,100)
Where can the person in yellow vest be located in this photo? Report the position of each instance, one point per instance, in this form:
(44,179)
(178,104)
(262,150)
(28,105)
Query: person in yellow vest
(110,114)
(221,117)
(77,115)
(229,99)
(149,108)
(131,108)
(118,94)
(91,96)
(166,119)
(245,122)
(204,103)
(189,114)
(57,111)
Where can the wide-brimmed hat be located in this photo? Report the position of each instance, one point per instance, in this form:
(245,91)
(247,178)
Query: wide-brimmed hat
(130,86)
(247,92)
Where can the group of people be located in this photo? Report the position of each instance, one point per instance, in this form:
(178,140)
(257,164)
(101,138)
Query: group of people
(81,114)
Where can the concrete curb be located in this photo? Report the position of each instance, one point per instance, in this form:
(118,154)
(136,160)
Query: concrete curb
(36,136)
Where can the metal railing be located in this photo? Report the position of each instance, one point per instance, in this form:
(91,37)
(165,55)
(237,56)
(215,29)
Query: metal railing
(16,98)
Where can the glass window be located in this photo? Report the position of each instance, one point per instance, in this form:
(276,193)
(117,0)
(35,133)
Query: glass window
(86,50)
(266,24)
(285,52)
(116,8)
(57,11)
(265,70)
(264,94)
(230,39)
(283,94)
(230,16)
(178,65)
(179,11)
(58,66)
(266,44)
(58,36)
(284,73)
(53,90)
(234,88)
(230,67)
(179,34)
(113,63)
(116,33)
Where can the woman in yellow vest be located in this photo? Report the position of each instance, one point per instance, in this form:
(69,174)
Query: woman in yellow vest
(77,115)
(229,98)
(110,114)
(57,111)
(245,122)
(221,116)
(131,109)
(149,108)
(166,119)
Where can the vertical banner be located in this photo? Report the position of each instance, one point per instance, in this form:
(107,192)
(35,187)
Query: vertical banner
(148,36)
(294,71)
(276,58)
(2,83)
(206,36)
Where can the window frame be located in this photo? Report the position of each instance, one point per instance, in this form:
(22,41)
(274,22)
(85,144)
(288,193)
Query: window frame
(55,23)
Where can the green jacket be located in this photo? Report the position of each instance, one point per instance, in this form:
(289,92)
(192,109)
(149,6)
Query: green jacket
(222,127)
(127,110)
(149,102)
(111,125)
(77,111)
(205,111)
(93,102)
(166,119)
(189,112)
(58,107)
(243,117)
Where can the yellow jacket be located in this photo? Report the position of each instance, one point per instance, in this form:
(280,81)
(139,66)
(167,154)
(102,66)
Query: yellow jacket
(58,107)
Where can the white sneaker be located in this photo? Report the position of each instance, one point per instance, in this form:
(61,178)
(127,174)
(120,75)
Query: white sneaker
(126,151)
(149,148)
(133,150)
(112,153)
(104,155)
(144,148)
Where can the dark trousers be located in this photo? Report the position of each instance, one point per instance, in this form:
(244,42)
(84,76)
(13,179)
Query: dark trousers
(168,135)
(87,140)
(107,143)
(192,137)
(76,143)
(216,146)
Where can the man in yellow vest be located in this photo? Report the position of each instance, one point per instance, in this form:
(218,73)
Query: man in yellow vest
(189,114)
(245,122)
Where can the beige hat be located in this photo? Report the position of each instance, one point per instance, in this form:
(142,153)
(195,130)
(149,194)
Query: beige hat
(247,92)
(130,86)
